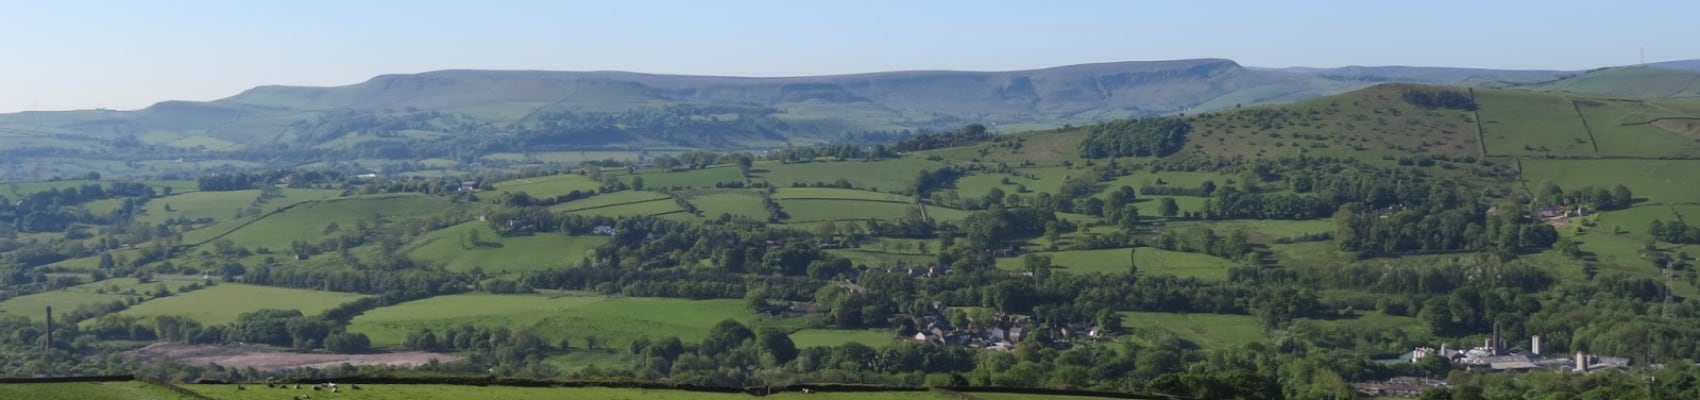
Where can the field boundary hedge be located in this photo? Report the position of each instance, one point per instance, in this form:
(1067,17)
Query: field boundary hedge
(616,204)
(757,391)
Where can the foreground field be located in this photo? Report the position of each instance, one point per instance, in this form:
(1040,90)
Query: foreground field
(612,322)
(88,391)
(146,391)
(224,302)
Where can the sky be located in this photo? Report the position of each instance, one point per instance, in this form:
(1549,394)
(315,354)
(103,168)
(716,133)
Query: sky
(72,54)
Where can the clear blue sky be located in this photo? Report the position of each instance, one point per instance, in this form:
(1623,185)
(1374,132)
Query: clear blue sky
(73,54)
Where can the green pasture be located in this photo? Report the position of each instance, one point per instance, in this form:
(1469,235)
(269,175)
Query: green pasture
(133,390)
(613,321)
(68,299)
(1657,181)
(884,176)
(838,194)
(608,200)
(692,178)
(1517,123)
(308,221)
(738,203)
(548,186)
(224,302)
(1115,261)
(454,250)
(1205,330)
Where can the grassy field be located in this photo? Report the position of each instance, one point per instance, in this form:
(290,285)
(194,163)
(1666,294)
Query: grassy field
(1114,261)
(224,302)
(834,337)
(836,193)
(607,200)
(1658,181)
(89,391)
(884,176)
(1263,230)
(451,247)
(1181,179)
(613,321)
(1042,148)
(67,299)
(223,205)
(738,203)
(309,220)
(1528,124)
(548,186)
(650,207)
(1204,330)
(695,178)
(1621,128)
(874,257)
(1363,124)
(1035,180)
(842,210)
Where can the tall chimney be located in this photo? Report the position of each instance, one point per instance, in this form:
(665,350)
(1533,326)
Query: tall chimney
(1535,344)
(1498,344)
(1581,362)
(49,328)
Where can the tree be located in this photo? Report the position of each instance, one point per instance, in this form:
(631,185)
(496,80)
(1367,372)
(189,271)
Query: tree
(1039,265)
(637,183)
(776,343)
(1168,208)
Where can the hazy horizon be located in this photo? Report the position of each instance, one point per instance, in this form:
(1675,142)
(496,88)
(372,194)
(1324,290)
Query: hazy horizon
(97,54)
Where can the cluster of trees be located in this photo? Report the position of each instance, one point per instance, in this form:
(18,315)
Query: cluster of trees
(1467,227)
(54,210)
(929,180)
(251,180)
(1439,98)
(1599,199)
(967,135)
(1231,203)
(1673,231)
(1136,138)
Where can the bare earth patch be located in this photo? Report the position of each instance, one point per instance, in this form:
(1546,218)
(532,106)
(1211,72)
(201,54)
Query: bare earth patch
(270,359)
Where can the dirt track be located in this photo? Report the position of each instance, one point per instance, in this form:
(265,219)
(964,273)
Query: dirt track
(269,359)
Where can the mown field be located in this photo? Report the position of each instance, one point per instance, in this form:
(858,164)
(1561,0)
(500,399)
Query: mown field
(838,194)
(68,299)
(548,186)
(224,302)
(309,221)
(614,322)
(1657,181)
(608,200)
(1115,261)
(884,176)
(695,178)
(1517,123)
(454,250)
(222,206)
(1204,330)
(737,203)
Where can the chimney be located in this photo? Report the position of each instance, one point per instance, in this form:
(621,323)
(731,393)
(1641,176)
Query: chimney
(49,328)
(1535,344)
(1498,344)
(1581,362)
